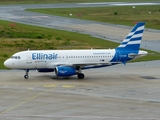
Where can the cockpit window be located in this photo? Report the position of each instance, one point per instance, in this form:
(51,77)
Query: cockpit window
(15,57)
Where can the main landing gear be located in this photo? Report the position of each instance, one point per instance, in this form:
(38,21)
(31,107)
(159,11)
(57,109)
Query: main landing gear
(80,75)
(26,75)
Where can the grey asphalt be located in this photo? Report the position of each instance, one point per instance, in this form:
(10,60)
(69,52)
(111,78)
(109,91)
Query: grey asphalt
(17,13)
(122,92)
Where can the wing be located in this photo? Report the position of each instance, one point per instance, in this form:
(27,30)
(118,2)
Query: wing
(82,65)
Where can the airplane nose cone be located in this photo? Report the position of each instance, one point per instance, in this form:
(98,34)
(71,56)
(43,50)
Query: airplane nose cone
(7,64)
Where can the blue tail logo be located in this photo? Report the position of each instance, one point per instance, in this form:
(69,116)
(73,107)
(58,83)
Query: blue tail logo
(133,39)
(129,48)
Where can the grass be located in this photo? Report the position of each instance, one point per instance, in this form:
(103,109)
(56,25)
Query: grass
(66,1)
(124,15)
(18,37)
(25,37)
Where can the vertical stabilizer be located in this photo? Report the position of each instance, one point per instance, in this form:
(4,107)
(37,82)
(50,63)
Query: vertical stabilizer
(133,39)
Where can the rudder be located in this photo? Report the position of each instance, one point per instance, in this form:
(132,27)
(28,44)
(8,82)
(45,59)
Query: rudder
(133,39)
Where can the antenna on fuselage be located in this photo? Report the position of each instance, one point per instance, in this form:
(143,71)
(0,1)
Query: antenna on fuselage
(28,49)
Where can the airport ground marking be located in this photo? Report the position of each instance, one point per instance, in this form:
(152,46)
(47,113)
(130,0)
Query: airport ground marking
(9,97)
(63,86)
(31,88)
(68,86)
(25,101)
(50,85)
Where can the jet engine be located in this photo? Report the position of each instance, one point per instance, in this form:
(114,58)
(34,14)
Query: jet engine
(65,71)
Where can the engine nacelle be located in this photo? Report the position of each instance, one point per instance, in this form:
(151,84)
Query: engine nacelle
(45,70)
(65,71)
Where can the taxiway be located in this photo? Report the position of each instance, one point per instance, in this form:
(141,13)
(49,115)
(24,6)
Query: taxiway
(122,92)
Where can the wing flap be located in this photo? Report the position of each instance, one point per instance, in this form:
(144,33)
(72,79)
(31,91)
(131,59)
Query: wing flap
(82,64)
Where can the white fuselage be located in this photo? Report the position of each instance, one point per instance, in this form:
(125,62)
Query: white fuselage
(37,59)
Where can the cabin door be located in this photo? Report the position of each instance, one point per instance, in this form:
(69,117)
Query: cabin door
(29,58)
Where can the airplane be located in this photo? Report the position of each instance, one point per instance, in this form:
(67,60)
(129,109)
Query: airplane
(67,63)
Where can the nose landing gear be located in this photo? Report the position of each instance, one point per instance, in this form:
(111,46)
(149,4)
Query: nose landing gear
(26,75)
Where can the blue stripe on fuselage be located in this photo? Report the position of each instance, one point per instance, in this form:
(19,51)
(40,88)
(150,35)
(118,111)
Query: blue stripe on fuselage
(121,55)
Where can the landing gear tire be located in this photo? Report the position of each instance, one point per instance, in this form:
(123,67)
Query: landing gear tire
(80,76)
(26,76)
